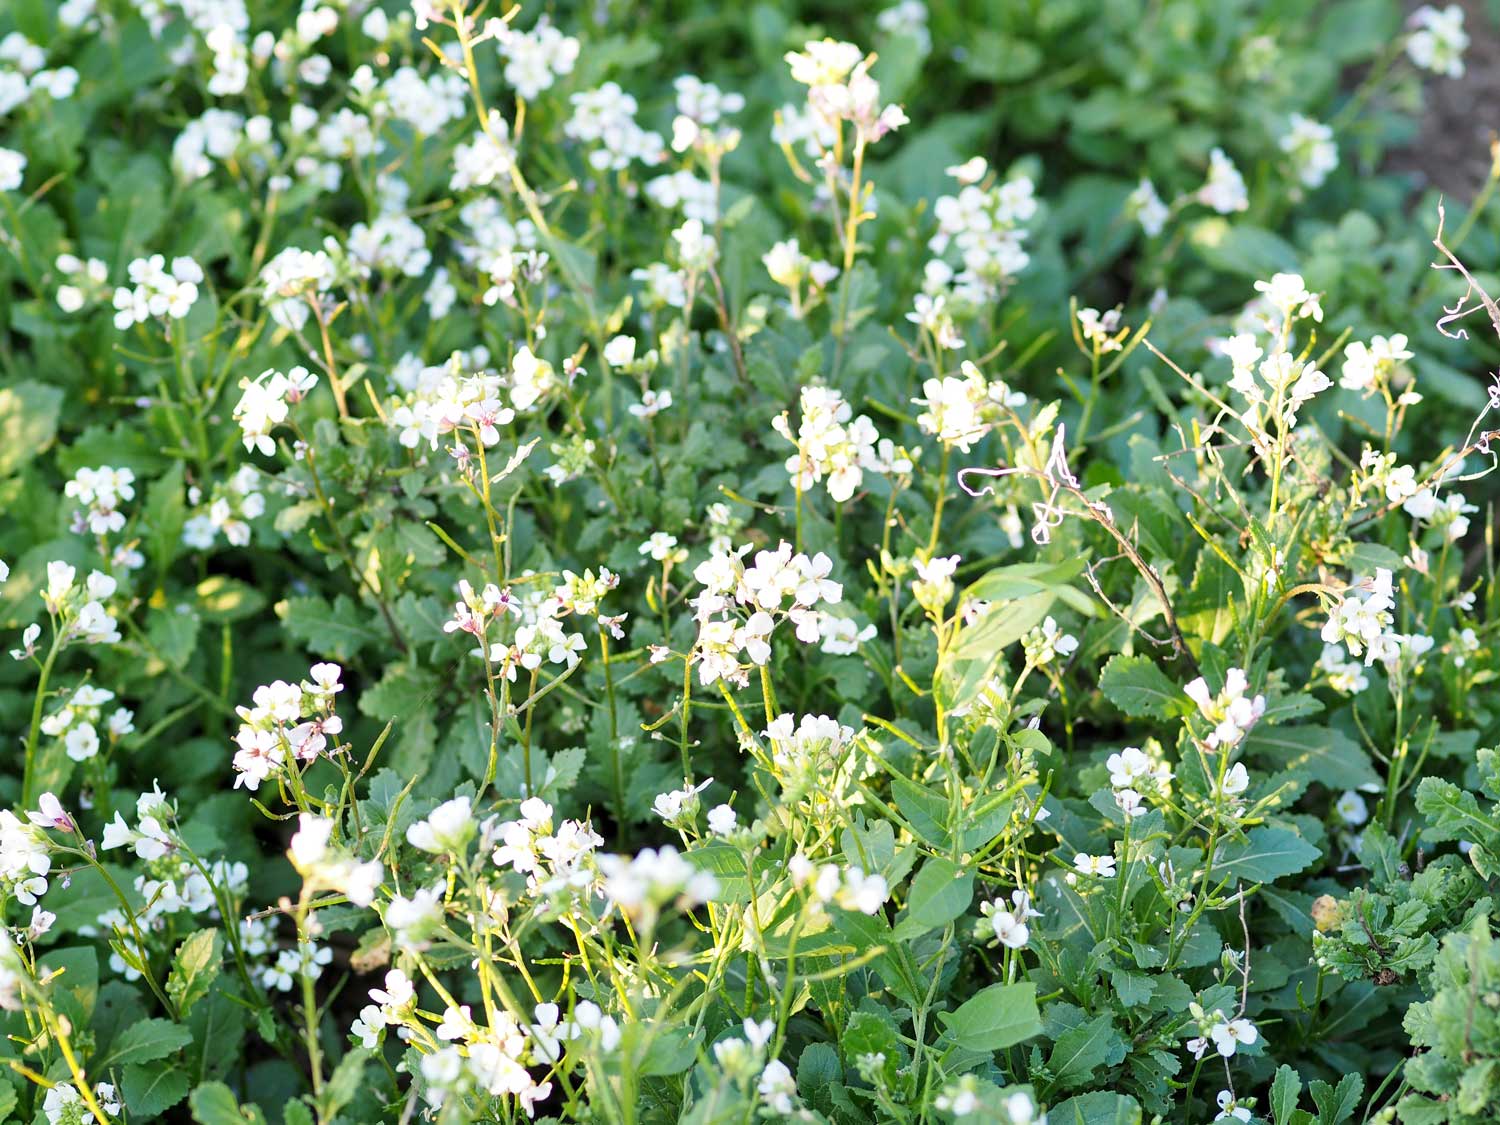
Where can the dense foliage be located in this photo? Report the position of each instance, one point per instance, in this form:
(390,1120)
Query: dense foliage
(642,561)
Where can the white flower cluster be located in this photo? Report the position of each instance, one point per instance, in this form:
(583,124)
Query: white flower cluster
(100,492)
(551,856)
(604,119)
(1368,367)
(1232,713)
(740,607)
(848,888)
(1135,776)
(24,74)
(25,861)
(959,410)
(983,226)
(292,278)
(840,88)
(79,609)
(155,291)
(1438,40)
(78,722)
(88,280)
(1310,147)
(324,865)
(535,59)
(235,503)
(813,762)
(286,721)
(1006,922)
(830,444)
(265,402)
(1217,1030)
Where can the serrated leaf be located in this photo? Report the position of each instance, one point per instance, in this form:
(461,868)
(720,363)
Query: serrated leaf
(1137,687)
(1337,1104)
(1285,1091)
(337,630)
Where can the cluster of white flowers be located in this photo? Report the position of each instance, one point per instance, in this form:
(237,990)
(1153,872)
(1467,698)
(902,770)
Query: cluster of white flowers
(155,291)
(1232,713)
(1224,190)
(534,60)
(325,866)
(961,410)
(1135,775)
(848,888)
(25,861)
(292,278)
(1438,40)
(551,856)
(777,585)
(840,88)
(24,74)
(1046,642)
(1216,1029)
(265,402)
(79,609)
(64,1105)
(1368,367)
(1006,922)
(640,884)
(813,762)
(831,442)
(1310,147)
(1362,619)
(88,280)
(286,721)
(1145,206)
(100,492)
(604,119)
(234,504)
(78,722)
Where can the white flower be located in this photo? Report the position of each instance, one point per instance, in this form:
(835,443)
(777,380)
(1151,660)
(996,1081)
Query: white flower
(1146,207)
(1351,808)
(1100,865)
(1439,41)
(446,830)
(1311,148)
(1232,711)
(12,166)
(722,820)
(1229,1036)
(1224,190)
(1230,1109)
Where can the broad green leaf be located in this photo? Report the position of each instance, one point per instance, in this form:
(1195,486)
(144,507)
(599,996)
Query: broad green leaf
(28,423)
(940,892)
(152,1090)
(1082,1050)
(148,1040)
(1285,1091)
(994,1018)
(1337,1104)
(1268,854)
(213,1103)
(1136,686)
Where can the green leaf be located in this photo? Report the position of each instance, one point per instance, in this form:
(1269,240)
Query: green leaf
(337,631)
(1285,1091)
(1099,1108)
(194,969)
(1336,1105)
(148,1040)
(28,423)
(1266,855)
(1082,1050)
(994,1018)
(940,892)
(8,1099)
(343,1084)
(1136,686)
(151,1090)
(213,1103)
(1247,251)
